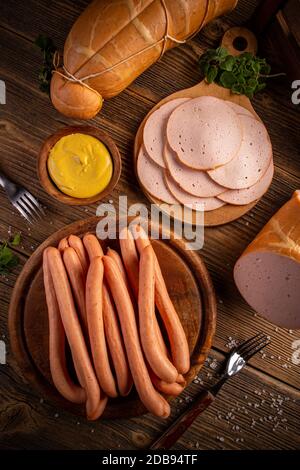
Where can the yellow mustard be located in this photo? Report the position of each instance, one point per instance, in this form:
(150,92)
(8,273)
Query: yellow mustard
(80,165)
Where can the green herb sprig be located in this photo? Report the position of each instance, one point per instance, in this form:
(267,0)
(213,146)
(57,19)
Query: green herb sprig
(8,259)
(244,74)
(48,50)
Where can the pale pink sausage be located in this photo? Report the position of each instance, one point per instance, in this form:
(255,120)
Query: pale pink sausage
(154,133)
(63,244)
(173,389)
(94,311)
(76,243)
(252,160)
(131,262)
(116,344)
(153,401)
(176,334)
(194,202)
(112,330)
(159,363)
(92,246)
(151,177)
(57,340)
(74,333)
(204,132)
(77,280)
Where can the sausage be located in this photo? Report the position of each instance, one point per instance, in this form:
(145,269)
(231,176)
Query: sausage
(76,243)
(155,130)
(252,160)
(92,246)
(74,333)
(267,274)
(152,400)
(151,177)
(77,280)
(111,327)
(57,338)
(94,283)
(131,261)
(173,389)
(176,334)
(63,244)
(204,132)
(194,182)
(115,256)
(116,344)
(159,363)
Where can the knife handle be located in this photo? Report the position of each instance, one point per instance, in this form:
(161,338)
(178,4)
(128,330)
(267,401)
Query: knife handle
(184,421)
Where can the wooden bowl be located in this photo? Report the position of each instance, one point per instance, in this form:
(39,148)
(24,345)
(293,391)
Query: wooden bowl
(188,283)
(48,184)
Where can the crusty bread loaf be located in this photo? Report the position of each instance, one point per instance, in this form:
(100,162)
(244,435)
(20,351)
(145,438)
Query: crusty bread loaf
(111,32)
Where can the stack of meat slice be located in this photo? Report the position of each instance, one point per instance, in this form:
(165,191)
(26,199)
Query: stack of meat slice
(205,152)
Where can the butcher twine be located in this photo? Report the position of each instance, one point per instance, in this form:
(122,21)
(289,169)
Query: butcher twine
(69,76)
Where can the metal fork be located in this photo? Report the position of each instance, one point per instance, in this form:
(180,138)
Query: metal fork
(22,200)
(236,361)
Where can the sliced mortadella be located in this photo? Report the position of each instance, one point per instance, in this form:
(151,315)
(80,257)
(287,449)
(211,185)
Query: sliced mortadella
(240,109)
(196,203)
(252,160)
(151,177)
(268,272)
(240,197)
(270,284)
(204,132)
(155,130)
(195,182)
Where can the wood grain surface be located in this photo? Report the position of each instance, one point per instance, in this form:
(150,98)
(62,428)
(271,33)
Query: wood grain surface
(257,409)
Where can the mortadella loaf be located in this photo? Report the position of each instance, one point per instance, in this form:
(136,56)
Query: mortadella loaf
(114,41)
(268,272)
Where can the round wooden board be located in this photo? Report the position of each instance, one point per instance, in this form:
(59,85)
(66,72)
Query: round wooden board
(190,288)
(226,213)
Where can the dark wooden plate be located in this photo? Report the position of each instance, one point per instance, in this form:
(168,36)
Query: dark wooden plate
(190,288)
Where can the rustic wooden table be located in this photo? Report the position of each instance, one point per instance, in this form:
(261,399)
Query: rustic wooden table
(259,409)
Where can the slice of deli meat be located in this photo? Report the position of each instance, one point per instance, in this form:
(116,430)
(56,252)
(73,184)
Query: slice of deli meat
(155,130)
(268,272)
(240,109)
(196,203)
(252,160)
(151,177)
(204,132)
(245,196)
(195,182)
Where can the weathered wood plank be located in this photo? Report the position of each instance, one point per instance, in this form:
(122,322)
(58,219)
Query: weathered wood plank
(248,406)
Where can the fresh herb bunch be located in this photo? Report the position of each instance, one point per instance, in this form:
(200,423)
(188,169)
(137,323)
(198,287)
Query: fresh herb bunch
(48,50)
(243,74)
(8,260)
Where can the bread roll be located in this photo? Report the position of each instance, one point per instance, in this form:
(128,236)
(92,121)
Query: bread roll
(109,33)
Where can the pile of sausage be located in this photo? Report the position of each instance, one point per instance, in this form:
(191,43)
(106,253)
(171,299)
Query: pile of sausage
(104,307)
(205,152)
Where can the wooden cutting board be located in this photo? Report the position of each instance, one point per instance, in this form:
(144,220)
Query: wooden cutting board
(233,38)
(190,288)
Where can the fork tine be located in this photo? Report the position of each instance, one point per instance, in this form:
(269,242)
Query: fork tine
(24,214)
(35,202)
(24,206)
(255,350)
(31,205)
(246,344)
